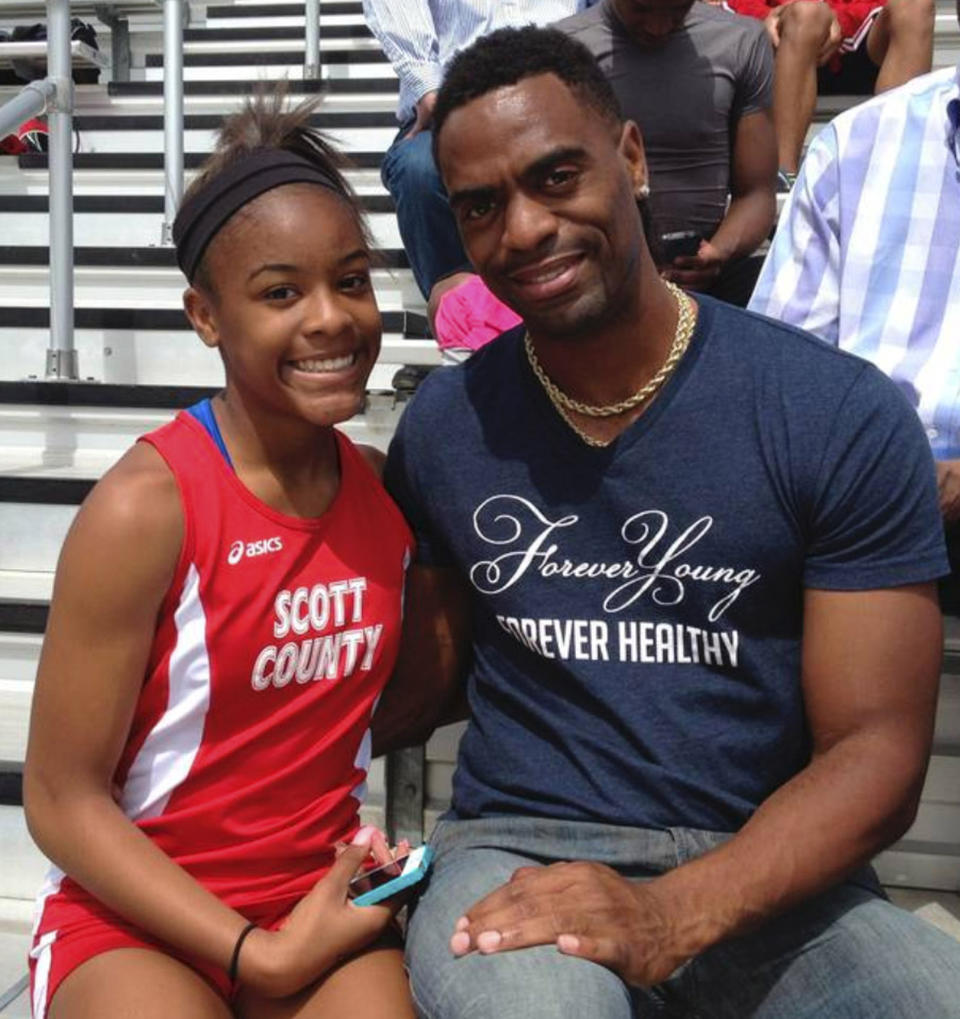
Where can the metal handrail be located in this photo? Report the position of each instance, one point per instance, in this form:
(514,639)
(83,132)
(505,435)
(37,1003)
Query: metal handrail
(172,115)
(10,995)
(29,102)
(311,58)
(61,353)
(54,95)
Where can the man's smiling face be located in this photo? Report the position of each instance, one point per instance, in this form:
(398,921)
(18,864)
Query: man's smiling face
(543,188)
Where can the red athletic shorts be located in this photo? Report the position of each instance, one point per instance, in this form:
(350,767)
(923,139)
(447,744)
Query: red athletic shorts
(94,930)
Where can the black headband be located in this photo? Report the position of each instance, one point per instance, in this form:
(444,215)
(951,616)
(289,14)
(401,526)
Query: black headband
(206,212)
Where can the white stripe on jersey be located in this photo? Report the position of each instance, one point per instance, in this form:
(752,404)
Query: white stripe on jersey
(168,752)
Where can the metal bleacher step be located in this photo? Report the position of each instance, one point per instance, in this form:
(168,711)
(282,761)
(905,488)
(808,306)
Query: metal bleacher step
(266,34)
(336,65)
(106,204)
(281,13)
(162,288)
(154,160)
(362,135)
(39,254)
(127,238)
(157,347)
(281,9)
(246,85)
(401,323)
(73,430)
(251,53)
(81,55)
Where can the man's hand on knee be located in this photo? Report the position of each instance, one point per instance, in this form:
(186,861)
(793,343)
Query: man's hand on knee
(586,910)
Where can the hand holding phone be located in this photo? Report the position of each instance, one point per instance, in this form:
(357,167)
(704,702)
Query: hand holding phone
(677,243)
(382,882)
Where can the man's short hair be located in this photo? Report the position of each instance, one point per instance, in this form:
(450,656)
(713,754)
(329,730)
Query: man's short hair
(509,55)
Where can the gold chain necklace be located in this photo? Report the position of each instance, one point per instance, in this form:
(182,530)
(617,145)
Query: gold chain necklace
(686,321)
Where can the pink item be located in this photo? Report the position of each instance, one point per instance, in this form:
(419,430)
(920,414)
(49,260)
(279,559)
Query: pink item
(469,316)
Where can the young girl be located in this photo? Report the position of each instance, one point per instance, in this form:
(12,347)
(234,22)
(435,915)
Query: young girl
(225,614)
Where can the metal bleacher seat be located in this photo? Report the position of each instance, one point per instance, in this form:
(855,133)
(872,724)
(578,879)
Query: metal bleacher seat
(81,54)
(112,14)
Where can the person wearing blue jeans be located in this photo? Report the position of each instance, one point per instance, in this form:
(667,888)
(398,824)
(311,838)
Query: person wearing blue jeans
(806,964)
(685,557)
(427,228)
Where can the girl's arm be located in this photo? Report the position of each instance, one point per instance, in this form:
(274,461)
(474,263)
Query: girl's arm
(115,568)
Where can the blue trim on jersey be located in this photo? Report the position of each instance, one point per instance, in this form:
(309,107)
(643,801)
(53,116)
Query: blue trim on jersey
(203,412)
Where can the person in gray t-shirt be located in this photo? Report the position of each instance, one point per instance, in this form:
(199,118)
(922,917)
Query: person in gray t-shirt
(698,81)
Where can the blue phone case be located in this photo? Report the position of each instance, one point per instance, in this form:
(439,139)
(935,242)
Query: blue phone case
(397,884)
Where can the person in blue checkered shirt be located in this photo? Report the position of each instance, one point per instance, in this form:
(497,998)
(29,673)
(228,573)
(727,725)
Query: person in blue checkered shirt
(867,252)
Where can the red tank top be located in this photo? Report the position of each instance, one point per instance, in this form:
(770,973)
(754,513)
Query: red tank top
(248,754)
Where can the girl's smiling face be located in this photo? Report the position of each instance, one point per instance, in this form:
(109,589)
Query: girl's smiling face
(290,304)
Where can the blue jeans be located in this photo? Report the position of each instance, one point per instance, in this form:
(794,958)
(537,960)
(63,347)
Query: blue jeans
(427,226)
(848,954)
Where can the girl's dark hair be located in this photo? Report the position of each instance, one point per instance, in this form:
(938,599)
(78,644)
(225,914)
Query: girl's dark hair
(267,122)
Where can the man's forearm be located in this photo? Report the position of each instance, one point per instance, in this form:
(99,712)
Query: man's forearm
(845,806)
(848,804)
(747,224)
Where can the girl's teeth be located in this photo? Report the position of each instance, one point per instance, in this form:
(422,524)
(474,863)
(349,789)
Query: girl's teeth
(331,364)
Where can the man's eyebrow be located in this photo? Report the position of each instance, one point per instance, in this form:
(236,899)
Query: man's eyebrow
(561,154)
(481,194)
(539,166)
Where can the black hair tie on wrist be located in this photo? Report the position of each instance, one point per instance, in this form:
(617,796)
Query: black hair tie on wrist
(235,958)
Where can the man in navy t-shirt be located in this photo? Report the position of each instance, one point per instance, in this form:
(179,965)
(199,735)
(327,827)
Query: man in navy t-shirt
(697,550)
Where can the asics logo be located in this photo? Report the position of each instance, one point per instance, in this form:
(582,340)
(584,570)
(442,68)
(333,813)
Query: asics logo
(264,546)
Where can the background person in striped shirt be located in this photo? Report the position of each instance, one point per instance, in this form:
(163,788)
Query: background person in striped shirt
(867,252)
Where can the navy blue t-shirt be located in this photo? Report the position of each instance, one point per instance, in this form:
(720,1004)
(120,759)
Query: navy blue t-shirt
(638,608)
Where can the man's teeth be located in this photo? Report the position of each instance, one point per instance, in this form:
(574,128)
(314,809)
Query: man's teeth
(549,273)
(329,364)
